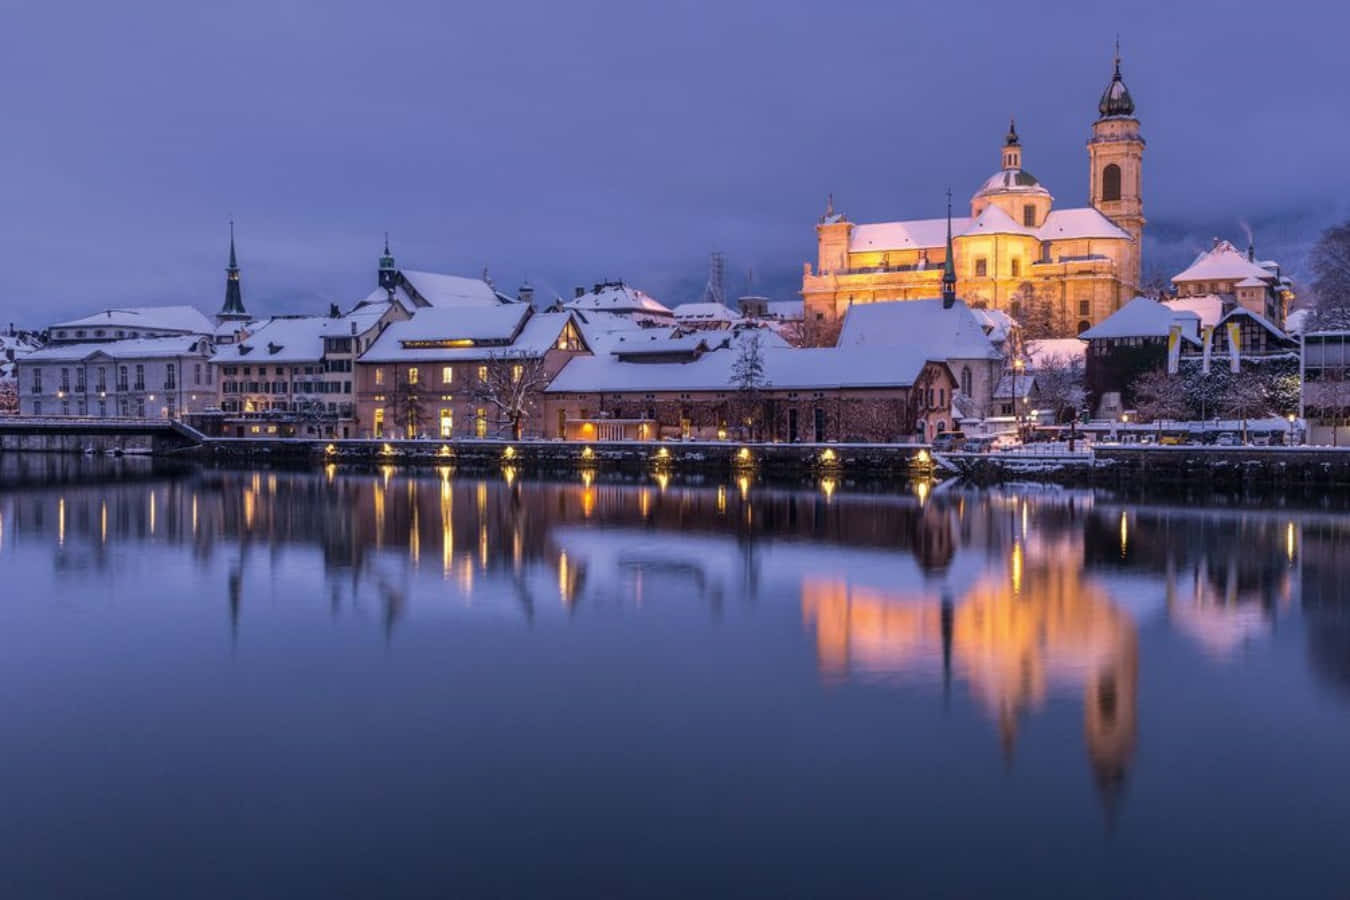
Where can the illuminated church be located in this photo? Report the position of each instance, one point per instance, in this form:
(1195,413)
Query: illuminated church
(1016,250)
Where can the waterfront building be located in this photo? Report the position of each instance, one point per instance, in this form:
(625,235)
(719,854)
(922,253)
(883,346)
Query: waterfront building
(161,377)
(970,342)
(1129,344)
(1016,250)
(473,371)
(682,387)
(1325,398)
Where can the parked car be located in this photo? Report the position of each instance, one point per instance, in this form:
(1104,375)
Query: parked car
(948,441)
(1226,439)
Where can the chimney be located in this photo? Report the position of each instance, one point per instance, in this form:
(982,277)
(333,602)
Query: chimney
(580,292)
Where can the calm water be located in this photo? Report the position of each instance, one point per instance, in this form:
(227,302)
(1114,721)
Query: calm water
(367,684)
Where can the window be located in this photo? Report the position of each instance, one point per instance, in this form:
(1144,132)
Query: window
(379,420)
(1084,307)
(121,378)
(1016,267)
(196,373)
(1111,183)
(37,407)
(140,378)
(65,380)
(482,373)
(102,380)
(517,372)
(1029,215)
(379,380)
(966,381)
(37,381)
(981,267)
(169,377)
(447,423)
(447,375)
(480,422)
(412,375)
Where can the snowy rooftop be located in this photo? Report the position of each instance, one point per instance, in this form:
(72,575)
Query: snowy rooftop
(617,297)
(1223,263)
(955,333)
(434,290)
(996,323)
(186,319)
(1060,225)
(784,369)
(458,335)
(1143,317)
(284,339)
(603,330)
(1209,307)
(651,342)
(1011,180)
(136,348)
(705,312)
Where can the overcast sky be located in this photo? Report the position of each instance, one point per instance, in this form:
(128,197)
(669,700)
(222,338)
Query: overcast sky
(576,141)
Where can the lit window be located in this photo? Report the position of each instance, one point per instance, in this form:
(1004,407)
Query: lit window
(981,267)
(379,376)
(412,375)
(379,421)
(480,422)
(482,373)
(517,372)
(447,375)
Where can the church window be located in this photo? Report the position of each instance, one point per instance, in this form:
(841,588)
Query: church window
(966,381)
(981,267)
(1016,267)
(1111,182)
(1029,215)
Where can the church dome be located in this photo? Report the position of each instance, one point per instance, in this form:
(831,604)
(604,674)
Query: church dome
(1116,99)
(1014,181)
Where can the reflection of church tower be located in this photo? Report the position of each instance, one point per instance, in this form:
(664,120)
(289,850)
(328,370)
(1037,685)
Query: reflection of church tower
(1111,721)
(1116,155)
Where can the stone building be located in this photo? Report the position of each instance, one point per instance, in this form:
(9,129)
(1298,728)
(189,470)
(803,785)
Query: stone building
(162,377)
(1016,251)
(1237,280)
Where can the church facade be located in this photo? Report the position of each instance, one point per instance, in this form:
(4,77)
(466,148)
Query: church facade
(1016,251)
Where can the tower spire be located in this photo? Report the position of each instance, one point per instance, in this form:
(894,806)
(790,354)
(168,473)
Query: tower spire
(949,266)
(233,309)
(388,273)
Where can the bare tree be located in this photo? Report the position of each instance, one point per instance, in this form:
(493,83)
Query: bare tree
(511,382)
(1059,379)
(748,377)
(1158,395)
(1244,398)
(407,405)
(1330,264)
(9,396)
(812,332)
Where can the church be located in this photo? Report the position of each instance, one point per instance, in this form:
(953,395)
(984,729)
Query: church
(1016,251)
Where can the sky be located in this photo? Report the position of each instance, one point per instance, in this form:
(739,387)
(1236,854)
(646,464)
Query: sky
(574,142)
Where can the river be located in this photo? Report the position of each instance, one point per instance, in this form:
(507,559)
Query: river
(384,683)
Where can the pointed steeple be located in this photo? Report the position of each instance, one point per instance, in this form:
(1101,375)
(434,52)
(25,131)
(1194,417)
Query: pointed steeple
(1011,140)
(1012,147)
(233,310)
(949,266)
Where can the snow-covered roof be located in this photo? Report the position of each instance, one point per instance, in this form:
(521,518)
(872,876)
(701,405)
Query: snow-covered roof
(185,319)
(133,348)
(784,369)
(1209,307)
(1143,317)
(1006,181)
(705,312)
(649,342)
(1050,350)
(1251,281)
(1223,262)
(996,323)
(457,335)
(1297,321)
(955,333)
(284,339)
(452,290)
(617,297)
(602,330)
(1059,225)
(785,309)
(1004,389)
(1242,311)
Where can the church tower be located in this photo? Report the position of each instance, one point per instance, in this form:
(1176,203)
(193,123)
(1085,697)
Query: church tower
(1116,155)
(388,271)
(233,310)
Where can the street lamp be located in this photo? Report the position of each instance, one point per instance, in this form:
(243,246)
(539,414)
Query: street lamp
(1017,418)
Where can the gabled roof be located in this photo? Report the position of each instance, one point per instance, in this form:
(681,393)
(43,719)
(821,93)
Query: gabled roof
(435,335)
(186,319)
(1208,307)
(452,290)
(954,333)
(1243,312)
(617,297)
(283,339)
(136,348)
(1143,317)
(1051,350)
(1223,262)
(993,220)
(784,369)
(1079,224)
(705,312)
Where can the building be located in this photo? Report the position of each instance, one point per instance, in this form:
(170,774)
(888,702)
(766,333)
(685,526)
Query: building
(684,389)
(476,371)
(615,298)
(1325,396)
(964,339)
(705,316)
(1235,279)
(1128,344)
(232,315)
(161,377)
(1016,250)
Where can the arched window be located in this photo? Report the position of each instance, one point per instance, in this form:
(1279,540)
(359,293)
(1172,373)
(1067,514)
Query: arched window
(1111,182)
(1084,326)
(966,381)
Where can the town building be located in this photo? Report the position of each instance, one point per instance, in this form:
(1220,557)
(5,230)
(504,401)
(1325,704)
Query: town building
(1128,344)
(615,298)
(471,371)
(683,388)
(1016,250)
(705,316)
(1325,398)
(132,323)
(1233,279)
(160,377)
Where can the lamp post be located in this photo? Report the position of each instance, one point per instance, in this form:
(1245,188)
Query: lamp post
(1017,418)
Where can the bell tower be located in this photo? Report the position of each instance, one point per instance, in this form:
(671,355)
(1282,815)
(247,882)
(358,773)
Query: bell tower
(1116,156)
